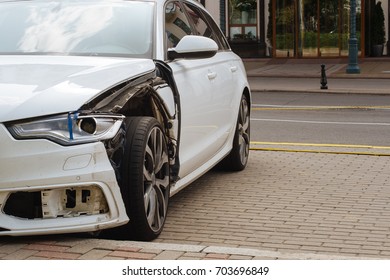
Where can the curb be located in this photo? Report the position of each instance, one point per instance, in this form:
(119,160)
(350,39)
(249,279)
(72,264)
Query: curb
(255,89)
(219,250)
(100,249)
(318,76)
(275,87)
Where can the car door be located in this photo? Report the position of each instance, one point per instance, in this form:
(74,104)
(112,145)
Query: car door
(205,90)
(225,88)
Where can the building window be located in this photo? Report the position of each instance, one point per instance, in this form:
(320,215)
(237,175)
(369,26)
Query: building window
(242,19)
(314,28)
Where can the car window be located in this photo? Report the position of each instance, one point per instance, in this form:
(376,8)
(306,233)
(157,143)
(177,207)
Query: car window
(77,27)
(203,24)
(176,24)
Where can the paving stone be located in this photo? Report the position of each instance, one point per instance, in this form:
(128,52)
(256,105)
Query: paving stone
(169,255)
(11,248)
(240,257)
(46,247)
(37,258)
(194,255)
(188,259)
(217,256)
(111,258)
(81,248)
(95,254)
(131,255)
(57,255)
(20,255)
(151,251)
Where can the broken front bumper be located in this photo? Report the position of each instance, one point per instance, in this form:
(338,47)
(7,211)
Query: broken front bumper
(48,188)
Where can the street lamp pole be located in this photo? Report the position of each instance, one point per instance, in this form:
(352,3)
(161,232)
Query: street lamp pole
(353,67)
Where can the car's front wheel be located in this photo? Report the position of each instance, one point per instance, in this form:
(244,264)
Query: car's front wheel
(144,179)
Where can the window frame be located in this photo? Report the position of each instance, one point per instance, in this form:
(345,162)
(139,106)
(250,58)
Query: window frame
(209,21)
(220,38)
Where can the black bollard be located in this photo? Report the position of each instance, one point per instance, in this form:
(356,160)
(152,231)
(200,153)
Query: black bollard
(324,81)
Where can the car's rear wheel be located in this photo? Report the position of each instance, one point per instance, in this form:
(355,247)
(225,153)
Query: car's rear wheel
(144,179)
(237,159)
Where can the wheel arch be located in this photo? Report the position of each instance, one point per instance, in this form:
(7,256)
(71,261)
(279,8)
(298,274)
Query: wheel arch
(248,95)
(154,95)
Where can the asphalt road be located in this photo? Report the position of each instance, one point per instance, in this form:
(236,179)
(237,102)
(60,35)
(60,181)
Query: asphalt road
(318,118)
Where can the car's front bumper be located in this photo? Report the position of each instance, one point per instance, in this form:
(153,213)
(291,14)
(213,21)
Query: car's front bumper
(46,188)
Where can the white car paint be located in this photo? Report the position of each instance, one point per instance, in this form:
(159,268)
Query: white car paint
(34,86)
(207,101)
(211,108)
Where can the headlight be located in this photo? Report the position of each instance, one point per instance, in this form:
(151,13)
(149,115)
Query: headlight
(69,129)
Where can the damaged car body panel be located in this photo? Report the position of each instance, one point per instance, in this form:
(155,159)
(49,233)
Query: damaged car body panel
(147,95)
(54,84)
(36,203)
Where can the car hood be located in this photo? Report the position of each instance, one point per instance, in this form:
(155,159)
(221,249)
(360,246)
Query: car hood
(33,86)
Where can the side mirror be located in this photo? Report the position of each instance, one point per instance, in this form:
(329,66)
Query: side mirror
(193,47)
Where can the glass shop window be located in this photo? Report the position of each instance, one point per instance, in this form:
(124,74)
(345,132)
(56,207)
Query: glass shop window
(242,20)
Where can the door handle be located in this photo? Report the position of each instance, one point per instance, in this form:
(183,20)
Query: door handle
(212,75)
(233,69)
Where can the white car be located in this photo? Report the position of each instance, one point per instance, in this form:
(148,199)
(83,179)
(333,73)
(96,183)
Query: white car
(108,108)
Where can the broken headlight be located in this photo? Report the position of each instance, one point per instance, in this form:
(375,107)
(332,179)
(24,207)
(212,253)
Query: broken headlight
(69,129)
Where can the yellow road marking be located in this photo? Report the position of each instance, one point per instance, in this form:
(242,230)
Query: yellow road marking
(318,108)
(320,151)
(322,145)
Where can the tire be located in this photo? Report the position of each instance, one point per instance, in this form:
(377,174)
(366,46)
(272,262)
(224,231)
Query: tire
(237,159)
(144,179)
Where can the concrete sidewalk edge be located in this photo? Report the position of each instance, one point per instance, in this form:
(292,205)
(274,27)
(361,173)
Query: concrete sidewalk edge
(101,249)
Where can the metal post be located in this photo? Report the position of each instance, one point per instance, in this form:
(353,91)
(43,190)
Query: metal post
(324,80)
(353,67)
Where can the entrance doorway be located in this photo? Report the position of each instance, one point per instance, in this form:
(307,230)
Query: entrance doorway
(314,28)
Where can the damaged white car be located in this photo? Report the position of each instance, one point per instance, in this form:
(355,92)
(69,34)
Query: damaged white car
(108,108)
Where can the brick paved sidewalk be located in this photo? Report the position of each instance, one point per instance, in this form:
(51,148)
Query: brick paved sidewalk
(284,205)
(290,202)
(76,248)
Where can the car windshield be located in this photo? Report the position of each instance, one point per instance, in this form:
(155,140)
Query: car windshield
(100,28)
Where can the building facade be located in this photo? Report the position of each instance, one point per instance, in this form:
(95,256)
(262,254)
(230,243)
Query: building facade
(298,28)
